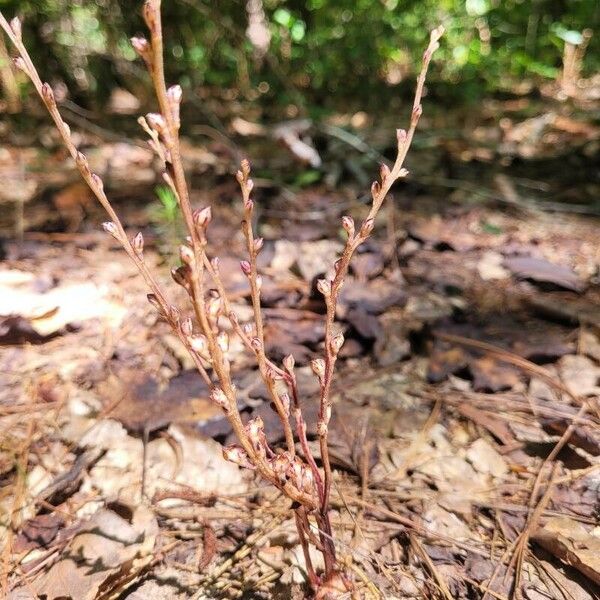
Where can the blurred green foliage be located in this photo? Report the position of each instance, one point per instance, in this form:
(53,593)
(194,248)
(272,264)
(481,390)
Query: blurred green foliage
(323,53)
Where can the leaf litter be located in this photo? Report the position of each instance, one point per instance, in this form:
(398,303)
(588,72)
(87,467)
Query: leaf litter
(471,355)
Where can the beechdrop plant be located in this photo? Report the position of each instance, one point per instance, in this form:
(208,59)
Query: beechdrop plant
(293,470)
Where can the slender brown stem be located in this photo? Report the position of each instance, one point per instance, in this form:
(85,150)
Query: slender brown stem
(298,478)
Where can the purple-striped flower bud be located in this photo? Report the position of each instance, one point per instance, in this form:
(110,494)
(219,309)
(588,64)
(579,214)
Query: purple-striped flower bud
(174,313)
(187,256)
(198,343)
(157,122)
(138,244)
(174,94)
(202,217)
(337,342)
(256,344)
(142,47)
(375,189)
(384,172)
(180,276)
(258,244)
(324,287)
(21,65)
(348,225)
(187,327)
(217,395)
(97,182)
(246,267)
(48,94)
(236,454)
(154,301)
(288,363)
(285,401)
(366,228)
(223,341)
(111,228)
(318,367)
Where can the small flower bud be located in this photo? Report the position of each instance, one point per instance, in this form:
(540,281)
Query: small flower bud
(403,173)
(223,341)
(384,172)
(337,264)
(156,122)
(416,113)
(20,64)
(348,225)
(366,228)
(280,465)
(174,94)
(285,401)
(318,367)
(174,313)
(245,165)
(256,344)
(214,307)
(249,206)
(138,244)
(142,47)
(97,182)
(154,301)
(48,94)
(249,185)
(259,282)
(258,244)
(255,429)
(111,228)
(187,327)
(180,275)
(324,287)
(217,395)
(236,454)
(82,163)
(240,177)
(248,328)
(375,189)
(288,363)
(198,343)
(401,136)
(187,255)
(67,130)
(322,429)
(15,25)
(337,342)
(202,217)
(215,264)
(246,268)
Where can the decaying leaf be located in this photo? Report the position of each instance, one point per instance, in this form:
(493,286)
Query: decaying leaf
(573,544)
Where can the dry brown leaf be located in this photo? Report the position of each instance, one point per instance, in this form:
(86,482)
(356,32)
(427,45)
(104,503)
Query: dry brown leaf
(571,542)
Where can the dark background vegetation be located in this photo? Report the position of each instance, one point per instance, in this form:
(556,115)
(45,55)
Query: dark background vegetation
(323,54)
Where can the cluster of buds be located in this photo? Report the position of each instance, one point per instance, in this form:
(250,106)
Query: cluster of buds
(291,468)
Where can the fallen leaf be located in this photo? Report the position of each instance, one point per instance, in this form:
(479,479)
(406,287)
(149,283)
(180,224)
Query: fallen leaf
(543,271)
(571,543)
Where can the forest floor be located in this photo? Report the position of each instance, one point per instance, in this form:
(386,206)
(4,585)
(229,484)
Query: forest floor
(466,429)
